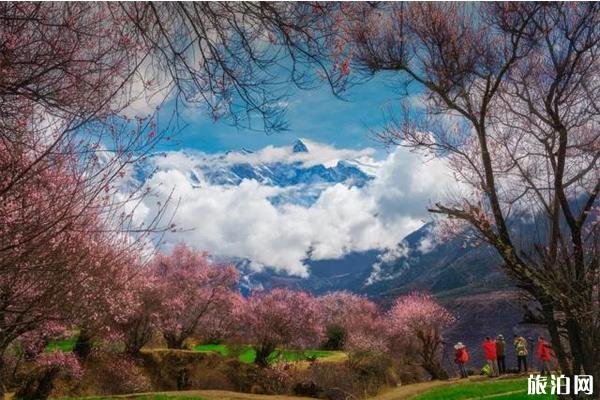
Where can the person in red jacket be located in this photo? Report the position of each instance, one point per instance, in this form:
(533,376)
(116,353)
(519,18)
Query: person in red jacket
(544,355)
(461,357)
(489,351)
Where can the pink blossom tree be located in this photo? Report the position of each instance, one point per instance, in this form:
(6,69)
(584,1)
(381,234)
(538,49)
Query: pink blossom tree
(69,76)
(59,265)
(141,320)
(224,320)
(281,317)
(64,236)
(190,288)
(352,322)
(417,322)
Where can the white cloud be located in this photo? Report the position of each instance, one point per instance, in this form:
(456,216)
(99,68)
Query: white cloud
(318,153)
(240,221)
(389,256)
(427,244)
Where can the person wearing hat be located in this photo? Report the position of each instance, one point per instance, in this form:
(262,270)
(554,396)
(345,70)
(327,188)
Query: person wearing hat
(520,344)
(501,354)
(461,357)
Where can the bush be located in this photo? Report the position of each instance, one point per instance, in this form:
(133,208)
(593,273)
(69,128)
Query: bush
(46,370)
(328,377)
(119,374)
(374,371)
(251,378)
(410,374)
(306,388)
(177,369)
(241,375)
(373,365)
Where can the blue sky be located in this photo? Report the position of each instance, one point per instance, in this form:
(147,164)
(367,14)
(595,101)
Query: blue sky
(316,114)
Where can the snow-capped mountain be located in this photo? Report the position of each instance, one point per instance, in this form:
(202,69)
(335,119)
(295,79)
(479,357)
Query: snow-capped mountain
(303,181)
(282,174)
(287,208)
(446,269)
(234,166)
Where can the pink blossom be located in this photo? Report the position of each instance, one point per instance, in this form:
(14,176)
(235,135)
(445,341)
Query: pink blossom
(66,362)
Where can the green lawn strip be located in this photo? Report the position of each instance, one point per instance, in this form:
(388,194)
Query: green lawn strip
(294,355)
(247,354)
(222,349)
(481,389)
(65,345)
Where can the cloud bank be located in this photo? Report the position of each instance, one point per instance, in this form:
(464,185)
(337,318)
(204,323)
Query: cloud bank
(240,220)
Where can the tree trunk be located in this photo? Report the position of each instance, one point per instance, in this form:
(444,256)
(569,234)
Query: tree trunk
(435,369)
(83,345)
(576,346)
(262,354)
(136,340)
(174,341)
(431,362)
(587,351)
(2,384)
(38,387)
(557,345)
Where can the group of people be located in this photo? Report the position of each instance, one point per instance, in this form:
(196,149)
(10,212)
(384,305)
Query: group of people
(494,351)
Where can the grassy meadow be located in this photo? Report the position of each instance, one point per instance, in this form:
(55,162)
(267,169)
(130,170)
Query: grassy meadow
(503,389)
(247,354)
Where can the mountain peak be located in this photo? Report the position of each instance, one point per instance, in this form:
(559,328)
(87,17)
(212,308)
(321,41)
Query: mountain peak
(300,147)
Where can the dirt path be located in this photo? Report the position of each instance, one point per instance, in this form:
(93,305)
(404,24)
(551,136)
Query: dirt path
(407,392)
(399,393)
(206,394)
(224,395)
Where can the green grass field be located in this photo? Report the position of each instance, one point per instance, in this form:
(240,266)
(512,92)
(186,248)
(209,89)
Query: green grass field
(511,388)
(62,345)
(247,354)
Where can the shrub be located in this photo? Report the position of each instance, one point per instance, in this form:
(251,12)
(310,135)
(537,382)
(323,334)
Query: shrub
(276,379)
(373,370)
(175,369)
(306,388)
(329,377)
(119,374)
(40,381)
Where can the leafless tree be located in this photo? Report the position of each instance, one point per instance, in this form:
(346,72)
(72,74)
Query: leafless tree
(509,92)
